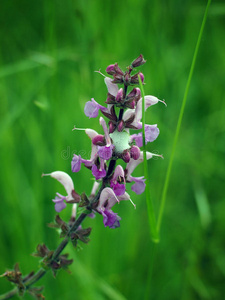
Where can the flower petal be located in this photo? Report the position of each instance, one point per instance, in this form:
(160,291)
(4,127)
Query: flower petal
(59,202)
(134,163)
(139,185)
(98,173)
(110,219)
(65,180)
(112,87)
(107,199)
(105,152)
(76,163)
(92,107)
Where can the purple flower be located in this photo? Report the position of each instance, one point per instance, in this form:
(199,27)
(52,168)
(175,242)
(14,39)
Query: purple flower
(151,133)
(139,185)
(67,182)
(92,107)
(98,173)
(118,188)
(112,87)
(76,163)
(132,164)
(105,152)
(59,202)
(117,182)
(106,201)
(110,219)
(137,112)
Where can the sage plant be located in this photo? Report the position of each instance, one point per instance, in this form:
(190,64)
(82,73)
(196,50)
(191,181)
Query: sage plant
(115,154)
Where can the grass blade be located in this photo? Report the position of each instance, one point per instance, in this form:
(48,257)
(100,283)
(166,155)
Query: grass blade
(168,173)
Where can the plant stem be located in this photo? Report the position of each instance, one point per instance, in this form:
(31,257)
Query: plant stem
(38,275)
(150,207)
(9,294)
(41,272)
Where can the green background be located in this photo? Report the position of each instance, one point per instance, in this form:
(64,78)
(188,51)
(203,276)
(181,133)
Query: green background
(49,51)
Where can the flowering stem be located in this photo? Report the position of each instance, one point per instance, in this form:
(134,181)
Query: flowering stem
(9,294)
(38,275)
(167,178)
(111,168)
(121,114)
(41,272)
(151,213)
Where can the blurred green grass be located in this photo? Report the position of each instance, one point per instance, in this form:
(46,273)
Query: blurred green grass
(49,52)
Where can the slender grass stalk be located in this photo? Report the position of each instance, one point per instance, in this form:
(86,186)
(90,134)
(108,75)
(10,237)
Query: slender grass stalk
(168,173)
(150,207)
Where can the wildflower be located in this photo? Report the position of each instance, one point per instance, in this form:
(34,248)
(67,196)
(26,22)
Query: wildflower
(124,113)
(139,186)
(151,133)
(71,197)
(106,201)
(117,182)
(92,108)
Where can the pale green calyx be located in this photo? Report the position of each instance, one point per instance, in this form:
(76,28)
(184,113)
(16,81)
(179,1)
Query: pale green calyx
(120,140)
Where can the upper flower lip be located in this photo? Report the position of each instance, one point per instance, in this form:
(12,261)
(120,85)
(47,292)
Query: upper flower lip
(137,112)
(108,199)
(67,182)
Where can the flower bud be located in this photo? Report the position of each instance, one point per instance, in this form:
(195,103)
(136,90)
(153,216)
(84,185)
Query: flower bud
(126,156)
(119,96)
(75,196)
(120,126)
(142,77)
(99,140)
(111,69)
(135,152)
(130,104)
(117,78)
(138,94)
(135,79)
(127,79)
(138,61)
(117,69)
(110,99)
(112,127)
(132,94)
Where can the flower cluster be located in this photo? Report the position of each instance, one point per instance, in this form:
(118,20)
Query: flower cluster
(124,113)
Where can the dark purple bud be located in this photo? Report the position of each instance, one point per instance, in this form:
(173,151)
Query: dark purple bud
(111,69)
(135,152)
(75,196)
(118,70)
(132,94)
(126,156)
(110,99)
(138,61)
(138,94)
(112,127)
(120,126)
(99,140)
(119,96)
(127,79)
(117,78)
(133,97)
(142,77)
(130,104)
(134,79)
